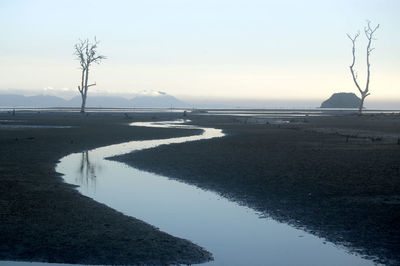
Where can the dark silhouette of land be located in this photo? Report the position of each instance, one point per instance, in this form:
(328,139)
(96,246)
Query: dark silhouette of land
(337,177)
(342,100)
(44,219)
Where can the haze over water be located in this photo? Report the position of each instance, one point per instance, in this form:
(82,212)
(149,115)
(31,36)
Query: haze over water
(270,53)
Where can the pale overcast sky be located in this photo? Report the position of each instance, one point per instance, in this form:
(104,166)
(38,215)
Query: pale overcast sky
(199,48)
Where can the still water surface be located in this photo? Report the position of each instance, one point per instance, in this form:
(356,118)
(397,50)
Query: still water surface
(234,234)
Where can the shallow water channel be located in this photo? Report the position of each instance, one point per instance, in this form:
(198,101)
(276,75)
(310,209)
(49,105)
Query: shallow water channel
(234,234)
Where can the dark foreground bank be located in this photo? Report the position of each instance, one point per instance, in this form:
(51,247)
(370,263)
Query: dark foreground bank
(44,219)
(337,177)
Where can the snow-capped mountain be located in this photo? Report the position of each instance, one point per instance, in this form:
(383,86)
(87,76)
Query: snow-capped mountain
(143,99)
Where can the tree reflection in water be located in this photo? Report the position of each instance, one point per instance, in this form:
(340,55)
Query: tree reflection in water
(87,172)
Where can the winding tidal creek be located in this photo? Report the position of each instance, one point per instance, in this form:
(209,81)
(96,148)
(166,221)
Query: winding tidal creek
(234,234)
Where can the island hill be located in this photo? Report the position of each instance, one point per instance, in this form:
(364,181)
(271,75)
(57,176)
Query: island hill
(342,100)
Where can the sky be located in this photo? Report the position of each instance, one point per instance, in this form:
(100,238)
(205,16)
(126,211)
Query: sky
(200,49)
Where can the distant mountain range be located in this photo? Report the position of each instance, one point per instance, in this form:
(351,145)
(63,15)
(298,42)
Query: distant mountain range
(157,100)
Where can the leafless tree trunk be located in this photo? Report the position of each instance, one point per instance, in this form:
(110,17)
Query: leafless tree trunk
(86,53)
(369,33)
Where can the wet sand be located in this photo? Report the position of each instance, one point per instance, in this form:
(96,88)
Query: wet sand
(44,219)
(337,177)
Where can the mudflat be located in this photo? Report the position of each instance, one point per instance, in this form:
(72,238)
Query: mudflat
(44,219)
(335,176)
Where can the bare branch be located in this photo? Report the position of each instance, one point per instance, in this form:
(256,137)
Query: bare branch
(369,33)
(86,52)
(353,39)
(353,73)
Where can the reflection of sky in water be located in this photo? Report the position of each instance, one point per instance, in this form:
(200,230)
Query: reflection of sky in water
(234,234)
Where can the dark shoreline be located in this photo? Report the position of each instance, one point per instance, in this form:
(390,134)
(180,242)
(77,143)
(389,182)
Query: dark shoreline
(44,219)
(336,177)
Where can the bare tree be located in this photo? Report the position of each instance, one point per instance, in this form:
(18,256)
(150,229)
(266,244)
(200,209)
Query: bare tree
(86,53)
(369,33)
